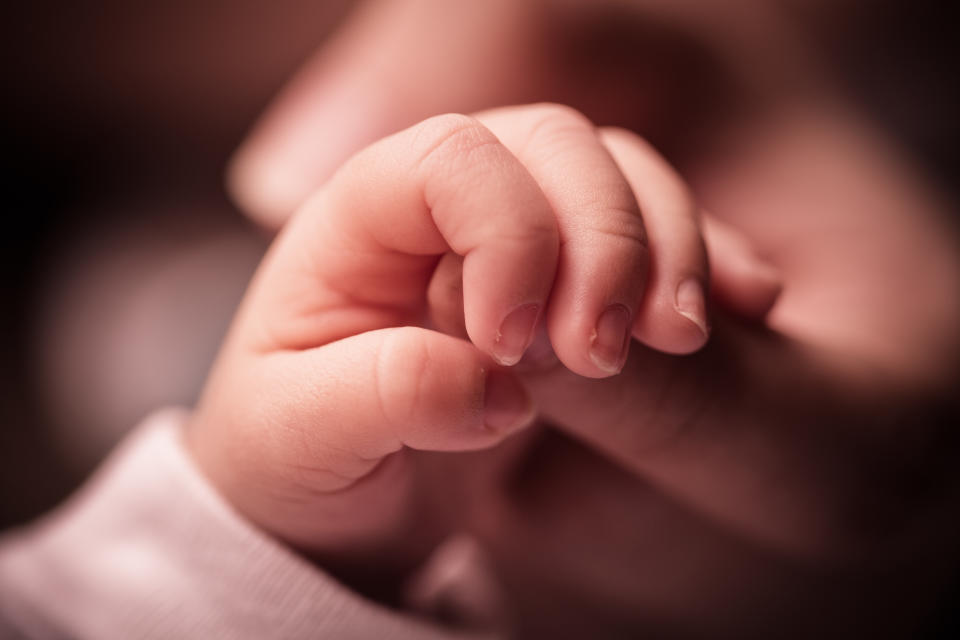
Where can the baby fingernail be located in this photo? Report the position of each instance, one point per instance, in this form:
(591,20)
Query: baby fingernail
(611,339)
(515,334)
(692,305)
(506,405)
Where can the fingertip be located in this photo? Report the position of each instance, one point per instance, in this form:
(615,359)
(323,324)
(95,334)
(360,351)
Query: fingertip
(264,190)
(596,348)
(440,393)
(742,281)
(675,322)
(691,303)
(748,286)
(610,340)
(515,334)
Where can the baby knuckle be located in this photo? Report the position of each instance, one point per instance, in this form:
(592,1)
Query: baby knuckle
(550,124)
(618,224)
(554,118)
(447,135)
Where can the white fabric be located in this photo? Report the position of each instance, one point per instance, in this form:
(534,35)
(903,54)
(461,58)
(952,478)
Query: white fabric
(147,549)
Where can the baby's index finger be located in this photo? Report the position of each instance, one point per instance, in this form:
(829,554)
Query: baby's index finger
(604,256)
(359,255)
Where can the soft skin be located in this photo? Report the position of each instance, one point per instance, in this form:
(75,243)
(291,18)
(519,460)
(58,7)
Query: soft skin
(795,470)
(325,381)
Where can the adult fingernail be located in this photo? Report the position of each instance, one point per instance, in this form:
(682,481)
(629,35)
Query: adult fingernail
(515,334)
(506,404)
(692,305)
(611,339)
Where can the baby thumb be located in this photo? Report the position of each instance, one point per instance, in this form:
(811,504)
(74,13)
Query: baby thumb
(298,447)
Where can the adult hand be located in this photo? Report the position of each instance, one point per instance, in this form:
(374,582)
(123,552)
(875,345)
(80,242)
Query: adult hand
(646,65)
(801,472)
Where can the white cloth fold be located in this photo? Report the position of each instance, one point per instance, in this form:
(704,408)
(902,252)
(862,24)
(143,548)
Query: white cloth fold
(148,549)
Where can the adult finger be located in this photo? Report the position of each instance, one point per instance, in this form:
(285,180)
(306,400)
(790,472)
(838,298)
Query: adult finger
(393,63)
(740,280)
(750,431)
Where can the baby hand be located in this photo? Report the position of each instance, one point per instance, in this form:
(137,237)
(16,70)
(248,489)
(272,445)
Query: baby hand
(327,380)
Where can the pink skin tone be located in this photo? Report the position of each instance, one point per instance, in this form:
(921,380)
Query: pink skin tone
(772,474)
(324,376)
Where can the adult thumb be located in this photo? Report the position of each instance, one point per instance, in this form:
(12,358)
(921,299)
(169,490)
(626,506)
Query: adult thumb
(393,63)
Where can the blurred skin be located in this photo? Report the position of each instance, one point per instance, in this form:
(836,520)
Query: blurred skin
(794,470)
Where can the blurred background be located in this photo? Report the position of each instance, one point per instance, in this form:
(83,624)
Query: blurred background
(123,257)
